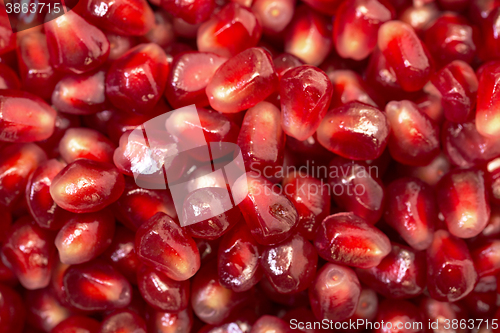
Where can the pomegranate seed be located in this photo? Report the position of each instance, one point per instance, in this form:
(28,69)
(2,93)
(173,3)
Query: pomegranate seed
(63,122)
(328,7)
(85,236)
(406,54)
(118,45)
(274,15)
(85,186)
(355,189)
(124,17)
(450,268)
(146,65)
(399,314)
(242,81)
(463,202)
(458,85)
(76,324)
(185,29)
(400,275)
(80,94)
(481,302)
(238,260)
(44,310)
(190,74)
(486,259)
(86,143)
(162,32)
(414,139)
(334,293)
(191,12)
(170,322)
(121,254)
(74,45)
(412,211)
(480,9)
(229,32)
(161,292)
(367,306)
(348,86)
(7,36)
(212,302)
(420,18)
(29,251)
(305,93)
(123,321)
(489,35)
(347,239)
(441,312)
(356,27)
(12,310)
(270,324)
(162,244)
(492,176)
(286,61)
(487,115)
(96,286)
(308,36)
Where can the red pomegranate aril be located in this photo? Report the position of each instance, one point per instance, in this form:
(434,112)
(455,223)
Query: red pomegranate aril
(400,275)
(356,189)
(118,45)
(85,186)
(397,314)
(481,302)
(367,307)
(37,74)
(489,35)
(458,86)
(414,138)
(492,175)
(42,207)
(238,260)
(25,117)
(450,38)
(291,265)
(347,239)
(487,114)
(85,236)
(480,9)
(349,86)
(136,81)
(77,324)
(7,36)
(450,270)
(286,61)
(261,140)
(44,310)
(29,251)
(80,94)
(274,15)
(269,323)
(123,321)
(420,18)
(121,122)
(74,45)
(242,81)
(167,247)
(96,286)
(8,78)
(212,302)
(57,283)
(121,254)
(191,12)
(486,258)
(305,93)
(406,54)
(184,29)
(412,211)
(441,313)
(334,293)
(270,216)
(12,310)
(63,122)
(308,36)
(189,76)
(356,25)
(161,292)
(170,322)
(86,143)
(463,201)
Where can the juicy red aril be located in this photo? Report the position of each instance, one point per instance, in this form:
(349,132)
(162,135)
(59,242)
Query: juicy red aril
(44,310)
(76,324)
(463,202)
(96,286)
(230,31)
(85,236)
(170,322)
(421,17)
(356,26)
(164,245)
(291,265)
(121,254)
(270,324)
(401,274)
(414,138)
(347,239)
(334,294)
(63,122)
(25,117)
(450,270)
(412,211)
(458,86)
(189,11)
(367,305)
(161,292)
(487,114)
(29,251)
(355,130)
(238,260)
(7,37)
(405,54)
(486,258)
(270,216)
(349,86)
(441,312)
(285,61)
(123,321)
(86,143)
(398,314)
(489,35)
(242,81)
(12,311)
(481,302)
(80,94)
(189,75)
(120,44)
(74,45)
(136,81)
(305,93)
(273,15)
(261,139)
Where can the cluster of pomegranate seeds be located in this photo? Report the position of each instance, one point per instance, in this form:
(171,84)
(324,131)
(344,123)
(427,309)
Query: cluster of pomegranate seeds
(365,185)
